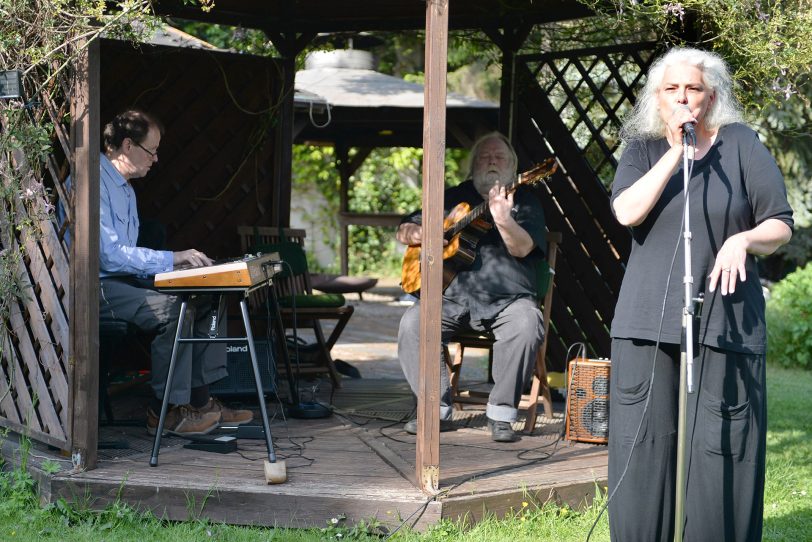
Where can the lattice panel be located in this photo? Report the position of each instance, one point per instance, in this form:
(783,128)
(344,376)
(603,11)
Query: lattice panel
(34,344)
(592,90)
(570,105)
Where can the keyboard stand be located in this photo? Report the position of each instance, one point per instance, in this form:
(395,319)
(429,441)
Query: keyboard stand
(275,471)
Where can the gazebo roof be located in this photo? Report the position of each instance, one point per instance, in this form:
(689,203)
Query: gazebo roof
(347,87)
(291,24)
(365,108)
(330,16)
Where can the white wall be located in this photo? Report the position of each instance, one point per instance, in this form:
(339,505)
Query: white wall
(307,211)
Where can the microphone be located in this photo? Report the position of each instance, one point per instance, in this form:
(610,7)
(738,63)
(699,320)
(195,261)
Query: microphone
(688,127)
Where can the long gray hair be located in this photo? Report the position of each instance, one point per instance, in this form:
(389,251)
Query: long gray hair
(487,137)
(644,121)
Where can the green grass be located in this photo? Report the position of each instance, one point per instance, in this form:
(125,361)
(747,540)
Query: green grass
(788,493)
(787,502)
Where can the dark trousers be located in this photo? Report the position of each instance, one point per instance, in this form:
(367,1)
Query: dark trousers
(726,442)
(197,364)
(518,332)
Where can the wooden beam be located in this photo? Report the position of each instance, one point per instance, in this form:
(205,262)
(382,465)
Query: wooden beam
(346,168)
(283,151)
(290,45)
(431,259)
(507,93)
(509,41)
(382,220)
(343,158)
(84,262)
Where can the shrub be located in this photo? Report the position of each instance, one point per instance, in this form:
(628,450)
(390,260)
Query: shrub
(789,325)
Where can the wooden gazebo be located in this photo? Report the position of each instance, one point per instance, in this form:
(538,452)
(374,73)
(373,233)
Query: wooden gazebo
(226,161)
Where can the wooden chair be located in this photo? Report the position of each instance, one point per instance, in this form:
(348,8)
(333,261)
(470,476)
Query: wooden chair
(539,390)
(293,288)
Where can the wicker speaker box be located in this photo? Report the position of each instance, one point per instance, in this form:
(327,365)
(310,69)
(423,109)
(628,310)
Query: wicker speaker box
(588,400)
(240,379)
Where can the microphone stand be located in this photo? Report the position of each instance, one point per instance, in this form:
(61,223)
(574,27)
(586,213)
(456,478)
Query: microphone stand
(686,377)
(297,409)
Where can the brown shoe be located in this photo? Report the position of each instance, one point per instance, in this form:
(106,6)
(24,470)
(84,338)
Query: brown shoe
(184,420)
(228,416)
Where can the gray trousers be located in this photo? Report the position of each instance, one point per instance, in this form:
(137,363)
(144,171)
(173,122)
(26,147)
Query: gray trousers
(151,311)
(518,332)
(725,438)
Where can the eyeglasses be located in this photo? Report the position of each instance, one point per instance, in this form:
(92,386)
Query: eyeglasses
(146,150)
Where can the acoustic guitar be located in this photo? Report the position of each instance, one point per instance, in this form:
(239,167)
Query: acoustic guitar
(463,228)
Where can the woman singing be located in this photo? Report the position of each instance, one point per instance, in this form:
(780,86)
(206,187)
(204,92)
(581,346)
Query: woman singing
(738,210)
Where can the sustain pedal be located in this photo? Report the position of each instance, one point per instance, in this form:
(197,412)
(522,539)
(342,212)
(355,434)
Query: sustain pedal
(223,444)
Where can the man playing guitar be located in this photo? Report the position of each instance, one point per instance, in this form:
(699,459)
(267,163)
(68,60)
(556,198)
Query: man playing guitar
(497,293)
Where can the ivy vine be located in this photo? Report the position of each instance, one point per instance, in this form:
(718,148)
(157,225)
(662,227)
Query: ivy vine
(40,41)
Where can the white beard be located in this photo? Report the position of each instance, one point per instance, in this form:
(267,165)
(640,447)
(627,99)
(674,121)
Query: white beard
(484,181)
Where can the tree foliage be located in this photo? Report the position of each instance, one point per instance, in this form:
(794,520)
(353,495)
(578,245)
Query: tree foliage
(387,182)
(766,42)
(789,318)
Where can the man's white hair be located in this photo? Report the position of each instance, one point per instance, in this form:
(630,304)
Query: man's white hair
(514,160)
(645,122)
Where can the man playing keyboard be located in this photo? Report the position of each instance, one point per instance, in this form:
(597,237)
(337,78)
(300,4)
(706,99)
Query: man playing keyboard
(131,143)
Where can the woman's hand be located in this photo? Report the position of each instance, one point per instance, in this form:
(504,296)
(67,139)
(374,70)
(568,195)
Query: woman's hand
(762,240)
(730,264)
(680,117)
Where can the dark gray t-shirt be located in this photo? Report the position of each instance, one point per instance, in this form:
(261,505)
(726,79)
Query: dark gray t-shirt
(733,188)
(495,278)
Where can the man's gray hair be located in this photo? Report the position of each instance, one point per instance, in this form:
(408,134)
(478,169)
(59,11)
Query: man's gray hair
(487,137)
(645,122)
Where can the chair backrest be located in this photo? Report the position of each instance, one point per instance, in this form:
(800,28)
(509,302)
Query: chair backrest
(292,285)
(546,271)
(260,235)
(294,278)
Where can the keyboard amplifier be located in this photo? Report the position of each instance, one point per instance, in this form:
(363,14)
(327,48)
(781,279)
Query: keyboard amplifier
(240,379)
(588,400)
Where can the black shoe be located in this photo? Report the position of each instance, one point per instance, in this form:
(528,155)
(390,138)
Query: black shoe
(502,431)
(346,369)
(445,426)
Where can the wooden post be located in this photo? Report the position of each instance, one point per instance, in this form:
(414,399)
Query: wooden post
(510,41)
(290,45)
(431,259)
(283,153)
(346,169)
(343,158)
(507,109)
(84,262)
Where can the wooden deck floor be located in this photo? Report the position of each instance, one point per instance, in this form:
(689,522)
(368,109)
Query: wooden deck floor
(358,463)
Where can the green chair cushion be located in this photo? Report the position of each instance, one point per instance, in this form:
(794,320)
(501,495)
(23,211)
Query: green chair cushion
(317,301)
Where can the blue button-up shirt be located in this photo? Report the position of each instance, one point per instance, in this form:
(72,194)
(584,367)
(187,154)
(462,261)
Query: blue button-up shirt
(118,232)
